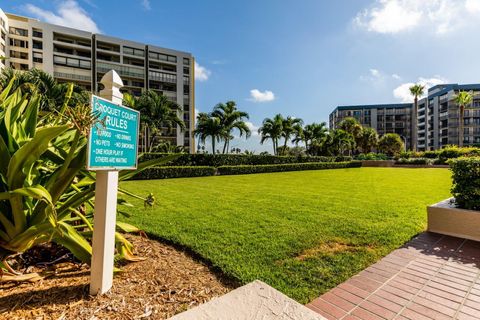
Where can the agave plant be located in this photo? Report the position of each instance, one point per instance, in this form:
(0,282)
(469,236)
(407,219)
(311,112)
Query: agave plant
(45,190)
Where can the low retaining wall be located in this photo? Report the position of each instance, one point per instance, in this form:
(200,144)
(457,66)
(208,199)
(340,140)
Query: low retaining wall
(378,163)
(445,218)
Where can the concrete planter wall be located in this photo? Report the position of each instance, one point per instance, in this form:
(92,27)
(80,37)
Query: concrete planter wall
(378,163)
(445,218)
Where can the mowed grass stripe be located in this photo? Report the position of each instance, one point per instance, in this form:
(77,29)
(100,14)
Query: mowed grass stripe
(302,232)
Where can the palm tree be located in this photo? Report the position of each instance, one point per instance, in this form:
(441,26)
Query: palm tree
(462,99)
(231,118)
(340,142)
(368,139)
(272,129)
(290,125)
(311,133)
(209,126)
(52,94)
(416,91)
(353,127)
(156,112)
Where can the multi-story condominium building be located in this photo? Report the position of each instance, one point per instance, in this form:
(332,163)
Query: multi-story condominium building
(82,57)
(438,117)
(385,118)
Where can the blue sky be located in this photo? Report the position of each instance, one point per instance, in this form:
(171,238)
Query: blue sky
(299,58)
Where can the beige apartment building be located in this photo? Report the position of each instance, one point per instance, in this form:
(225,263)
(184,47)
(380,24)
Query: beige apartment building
(82,57)
(437,118)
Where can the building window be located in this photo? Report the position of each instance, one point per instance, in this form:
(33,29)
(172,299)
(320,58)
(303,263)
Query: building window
(163,57)
(18,55)
(18,32)
(37,33)
(38,57)
(186,61)
(18,43)
(37,44)
(162,76)
(134,51)
(72,62)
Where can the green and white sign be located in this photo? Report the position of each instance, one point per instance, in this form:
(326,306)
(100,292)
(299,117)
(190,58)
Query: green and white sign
(113,142)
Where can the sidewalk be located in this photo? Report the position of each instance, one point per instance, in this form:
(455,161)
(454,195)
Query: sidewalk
(431,277)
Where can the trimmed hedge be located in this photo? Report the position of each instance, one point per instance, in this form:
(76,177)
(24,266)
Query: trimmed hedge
(218,160)
(466,182)
(371,156)
(441,156)
(247,169)
(415,161)
(175,172)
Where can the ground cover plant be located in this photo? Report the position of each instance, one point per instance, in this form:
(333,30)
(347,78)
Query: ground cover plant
(301,232)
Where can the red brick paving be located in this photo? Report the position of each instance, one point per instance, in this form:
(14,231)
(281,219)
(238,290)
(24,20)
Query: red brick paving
(431,277)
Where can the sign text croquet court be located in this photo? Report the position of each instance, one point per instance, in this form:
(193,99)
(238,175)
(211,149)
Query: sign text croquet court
(113,141)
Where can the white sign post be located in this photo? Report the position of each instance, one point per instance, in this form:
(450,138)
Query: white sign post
(103,242)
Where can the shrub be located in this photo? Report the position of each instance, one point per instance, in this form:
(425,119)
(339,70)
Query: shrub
(372,156)
(247,169)
(466,182)
(218,160)
(175,172)
(453,152)
(391,144)
(415,161)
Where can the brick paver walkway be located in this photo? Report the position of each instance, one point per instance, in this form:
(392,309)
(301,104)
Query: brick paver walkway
(431,277)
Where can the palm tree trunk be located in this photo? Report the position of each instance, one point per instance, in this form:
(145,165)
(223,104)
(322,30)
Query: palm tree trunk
(285,145)
(274,148)
(460,126)
(213,144)
(225,145)
(414,122)
(306,146)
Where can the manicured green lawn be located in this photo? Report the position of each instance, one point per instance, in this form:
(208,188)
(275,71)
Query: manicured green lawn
(301,232)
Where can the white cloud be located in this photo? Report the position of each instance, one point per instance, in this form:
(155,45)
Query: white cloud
(69,14)
(259,96)
(201,73)
(374,76)
(402,92)
(146,4)
(396,76)
(472,6)
(375,73)
(395,16)
(253,128)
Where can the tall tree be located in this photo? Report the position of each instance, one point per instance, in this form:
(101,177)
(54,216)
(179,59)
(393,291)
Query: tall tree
(231,118)
(272,129)
(337,142)
(416,91)
(367,140)
(52,95)
(462,99)
(351,126)
(209,126)
(156,113)
(289,126)
(311,133)
(390,144)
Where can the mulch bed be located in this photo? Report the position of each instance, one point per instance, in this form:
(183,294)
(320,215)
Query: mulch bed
(169,281)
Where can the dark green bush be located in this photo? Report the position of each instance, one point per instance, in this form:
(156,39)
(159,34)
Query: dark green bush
(415,161)
(218,160)
(372,156)
(466,182)
(175,172)
(247,169)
